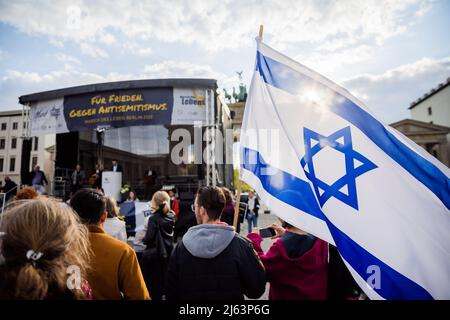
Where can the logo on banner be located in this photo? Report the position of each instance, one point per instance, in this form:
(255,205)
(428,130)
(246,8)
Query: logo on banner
(344,158)
(189,106)
(193,100)
(55,112)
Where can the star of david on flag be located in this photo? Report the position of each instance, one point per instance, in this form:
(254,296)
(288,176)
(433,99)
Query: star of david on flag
(335,159)
(355,165)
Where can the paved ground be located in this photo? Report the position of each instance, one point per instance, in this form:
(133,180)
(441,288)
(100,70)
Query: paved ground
(264,220)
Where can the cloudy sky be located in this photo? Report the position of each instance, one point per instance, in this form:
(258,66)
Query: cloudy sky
(387,53)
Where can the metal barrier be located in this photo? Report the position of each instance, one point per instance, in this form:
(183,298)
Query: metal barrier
(3,198)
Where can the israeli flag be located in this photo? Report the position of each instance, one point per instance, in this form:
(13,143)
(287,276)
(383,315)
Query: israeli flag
(323,162)
(135,214)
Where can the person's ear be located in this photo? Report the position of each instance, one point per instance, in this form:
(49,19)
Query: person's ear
(203,212)
(103,217)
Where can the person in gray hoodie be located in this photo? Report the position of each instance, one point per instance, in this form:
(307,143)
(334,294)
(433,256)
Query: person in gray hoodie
(213,262)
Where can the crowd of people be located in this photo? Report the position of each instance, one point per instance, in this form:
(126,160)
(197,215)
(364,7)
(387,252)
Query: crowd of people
(51,249)
(78,179)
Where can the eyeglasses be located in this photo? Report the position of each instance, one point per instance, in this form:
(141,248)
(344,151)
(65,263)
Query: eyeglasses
(193,207)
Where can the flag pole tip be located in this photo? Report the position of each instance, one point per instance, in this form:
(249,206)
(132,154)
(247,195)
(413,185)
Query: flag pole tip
(260,34)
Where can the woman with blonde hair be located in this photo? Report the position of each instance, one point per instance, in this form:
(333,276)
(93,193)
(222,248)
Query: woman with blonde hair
(113,226)
(44,252)
(159,244)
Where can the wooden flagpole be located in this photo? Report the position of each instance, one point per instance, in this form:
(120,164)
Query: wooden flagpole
(236,204)
(239,186)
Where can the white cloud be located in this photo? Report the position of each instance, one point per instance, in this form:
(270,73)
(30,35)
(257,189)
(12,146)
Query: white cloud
(144,51)
(56,43)
(16,83)
(336,43)
(390,93)
(52,80)
(329,62)
(213,25)
(168,69)
(66,58)
(92,50)
(173,69)
(107,38)
(135,49)
(424,8)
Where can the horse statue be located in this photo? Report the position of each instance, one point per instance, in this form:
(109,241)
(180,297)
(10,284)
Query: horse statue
(227,95)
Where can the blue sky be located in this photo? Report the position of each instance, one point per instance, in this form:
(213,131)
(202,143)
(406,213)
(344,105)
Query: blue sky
(387,53)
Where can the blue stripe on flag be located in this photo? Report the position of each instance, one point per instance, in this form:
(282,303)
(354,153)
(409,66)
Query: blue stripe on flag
(285,78)
(297,193)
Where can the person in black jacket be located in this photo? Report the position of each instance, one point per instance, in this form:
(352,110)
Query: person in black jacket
(159,241)
(116,167)
(186,217)
(38,179)
(341,285)
(10,188)
(212,261)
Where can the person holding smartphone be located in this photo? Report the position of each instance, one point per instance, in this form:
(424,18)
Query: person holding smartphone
(296,264)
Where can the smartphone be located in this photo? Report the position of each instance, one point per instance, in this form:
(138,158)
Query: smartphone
(267,232)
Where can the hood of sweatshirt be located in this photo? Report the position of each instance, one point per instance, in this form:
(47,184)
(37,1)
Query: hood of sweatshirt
(305,252)
(208,240)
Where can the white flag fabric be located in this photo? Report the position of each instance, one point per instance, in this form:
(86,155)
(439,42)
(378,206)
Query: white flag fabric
(323,162)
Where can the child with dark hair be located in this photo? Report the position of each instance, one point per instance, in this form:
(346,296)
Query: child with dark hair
(132,197)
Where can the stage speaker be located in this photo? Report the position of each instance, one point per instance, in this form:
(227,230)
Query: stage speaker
(25,162)
(200,171)
(67,150)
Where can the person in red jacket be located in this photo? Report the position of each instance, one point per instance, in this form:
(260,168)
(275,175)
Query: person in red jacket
(296,264)
(174,204)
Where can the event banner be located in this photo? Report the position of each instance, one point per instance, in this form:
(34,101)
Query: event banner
(48,117)
(119,108)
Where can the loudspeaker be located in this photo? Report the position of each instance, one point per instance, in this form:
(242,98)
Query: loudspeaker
(25,162)
(66,150)
(200,172)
